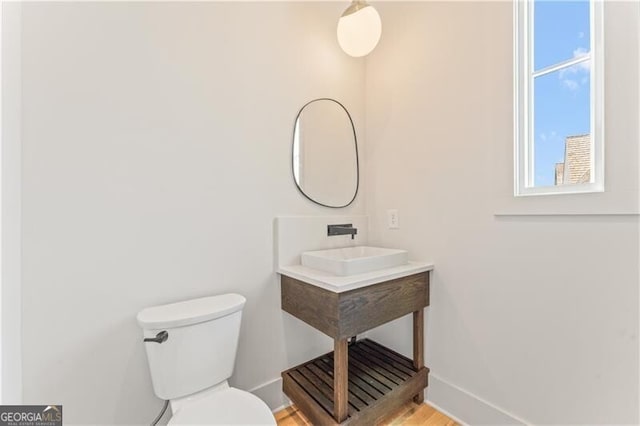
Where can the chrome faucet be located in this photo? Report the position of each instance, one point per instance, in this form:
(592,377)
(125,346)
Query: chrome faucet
(344,229)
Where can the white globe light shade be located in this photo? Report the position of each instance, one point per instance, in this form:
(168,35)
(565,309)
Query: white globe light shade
(359,32)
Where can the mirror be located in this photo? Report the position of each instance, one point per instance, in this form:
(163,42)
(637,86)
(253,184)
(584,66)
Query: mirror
(325,153)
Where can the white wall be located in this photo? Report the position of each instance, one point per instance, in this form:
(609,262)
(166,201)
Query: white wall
(156,154)
(532,318)
(10,263)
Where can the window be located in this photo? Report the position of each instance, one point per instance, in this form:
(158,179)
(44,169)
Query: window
(558,96)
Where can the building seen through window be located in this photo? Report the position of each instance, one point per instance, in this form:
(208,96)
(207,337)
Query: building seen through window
(576,167)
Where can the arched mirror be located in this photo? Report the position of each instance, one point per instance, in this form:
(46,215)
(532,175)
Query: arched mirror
(325,153)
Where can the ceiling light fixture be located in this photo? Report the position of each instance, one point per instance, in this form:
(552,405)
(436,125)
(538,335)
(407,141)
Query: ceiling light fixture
(359,29)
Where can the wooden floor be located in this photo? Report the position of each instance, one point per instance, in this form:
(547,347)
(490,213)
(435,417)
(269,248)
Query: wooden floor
(409,414)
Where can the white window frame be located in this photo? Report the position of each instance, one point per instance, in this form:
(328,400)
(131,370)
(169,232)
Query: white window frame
(523,102)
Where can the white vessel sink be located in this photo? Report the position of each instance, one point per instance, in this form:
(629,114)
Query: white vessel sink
(354,260)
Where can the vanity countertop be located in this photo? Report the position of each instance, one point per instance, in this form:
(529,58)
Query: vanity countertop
(339,284)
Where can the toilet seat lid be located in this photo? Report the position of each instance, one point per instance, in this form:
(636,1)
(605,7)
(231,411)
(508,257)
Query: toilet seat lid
(190,312)
(226,407)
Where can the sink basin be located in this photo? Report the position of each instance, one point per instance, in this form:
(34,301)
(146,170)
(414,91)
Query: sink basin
(354,260)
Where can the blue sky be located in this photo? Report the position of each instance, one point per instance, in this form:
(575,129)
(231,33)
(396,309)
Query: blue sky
(561,105)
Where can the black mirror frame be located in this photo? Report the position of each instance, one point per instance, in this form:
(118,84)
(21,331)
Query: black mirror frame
(355,142)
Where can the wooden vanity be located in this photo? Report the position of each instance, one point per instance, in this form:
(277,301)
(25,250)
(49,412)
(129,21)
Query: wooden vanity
(357,383)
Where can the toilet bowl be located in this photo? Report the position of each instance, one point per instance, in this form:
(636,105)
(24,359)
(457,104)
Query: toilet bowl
(228,406)
(191,348)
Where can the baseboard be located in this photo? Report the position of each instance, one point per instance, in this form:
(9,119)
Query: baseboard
(271,393)
(465,407)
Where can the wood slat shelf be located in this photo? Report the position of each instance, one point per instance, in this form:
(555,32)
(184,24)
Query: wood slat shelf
(379,380)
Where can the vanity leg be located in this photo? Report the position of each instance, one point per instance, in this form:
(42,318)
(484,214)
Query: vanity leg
(418,347)
(340,379)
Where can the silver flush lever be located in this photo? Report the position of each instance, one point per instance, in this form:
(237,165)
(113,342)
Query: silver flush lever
(160,337)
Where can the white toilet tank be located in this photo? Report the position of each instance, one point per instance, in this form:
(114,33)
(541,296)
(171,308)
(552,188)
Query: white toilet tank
(200,346)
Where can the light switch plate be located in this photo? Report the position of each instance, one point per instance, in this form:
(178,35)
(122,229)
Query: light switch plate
(393,221)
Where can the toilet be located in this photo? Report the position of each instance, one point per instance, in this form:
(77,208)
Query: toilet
(191,349)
